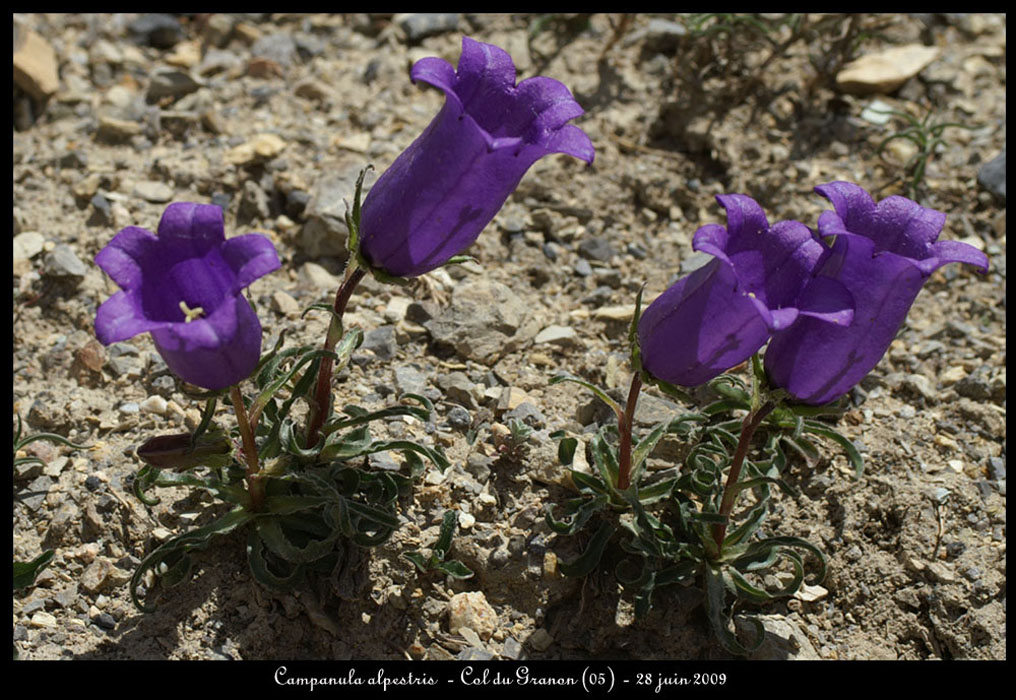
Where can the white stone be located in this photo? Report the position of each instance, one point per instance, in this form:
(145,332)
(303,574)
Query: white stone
(43,619)
(314,275)
(156,405)
(558,335)
(809,594)
(27,245)
(285,304)
(885,71)
(471,610)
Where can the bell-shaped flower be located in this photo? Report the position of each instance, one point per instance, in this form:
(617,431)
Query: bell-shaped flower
(185,287)
(719,315)
(883,254)
(439,194)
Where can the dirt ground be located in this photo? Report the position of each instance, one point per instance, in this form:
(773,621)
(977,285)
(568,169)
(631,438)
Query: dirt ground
(148,111)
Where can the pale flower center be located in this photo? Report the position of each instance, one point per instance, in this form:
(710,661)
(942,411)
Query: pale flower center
(191,314)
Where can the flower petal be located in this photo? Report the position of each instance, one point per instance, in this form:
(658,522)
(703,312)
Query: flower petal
(484,82)
(193,228)
(945,252)
(434,71)
(121,317)
(441,192)
(213,352)
(250,257)
(571,140)
(124,258)
(881,257)
(699,328)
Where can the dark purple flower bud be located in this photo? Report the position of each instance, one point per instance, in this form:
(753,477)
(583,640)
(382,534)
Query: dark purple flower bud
(718,316)
(883,254)
(185,286)
(181,451)
(440,193)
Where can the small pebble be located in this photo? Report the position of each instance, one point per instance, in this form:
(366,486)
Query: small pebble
(43,619)
(154,404)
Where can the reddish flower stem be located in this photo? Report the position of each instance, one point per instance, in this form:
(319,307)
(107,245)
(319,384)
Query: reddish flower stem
(255,486)
(748,427)
(625,422)
(322,391)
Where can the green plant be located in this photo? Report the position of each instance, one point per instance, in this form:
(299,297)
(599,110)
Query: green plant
(513,446)
(312,496)
(436,560)
(680,523)
(926,134)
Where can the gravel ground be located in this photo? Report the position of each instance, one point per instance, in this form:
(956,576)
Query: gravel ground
(273,116)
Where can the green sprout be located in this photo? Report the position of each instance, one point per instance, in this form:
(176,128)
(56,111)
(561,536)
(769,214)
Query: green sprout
(436,560)
(927,135)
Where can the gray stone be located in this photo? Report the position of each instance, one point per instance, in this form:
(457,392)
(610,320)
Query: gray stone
(102,211)
(156,29)
(651,411)
(153,191)
(598,249)
(35,493)
(418,25)
(64,263)
(474,654)
(458,387)
(583,268)
(992,176)
(512,649)
(324,233)
(478,465)
(308,46)
(975,385)
(783,640)
(253,204)
(484,321)
(382,342)
(171,82)
(422,311)
(459,418)
(409,380)
(528,413)
(296,203)
(275,47)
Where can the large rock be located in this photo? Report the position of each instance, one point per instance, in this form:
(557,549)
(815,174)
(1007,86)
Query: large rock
(992,176)
(35,67)
(883,72)
(484,321)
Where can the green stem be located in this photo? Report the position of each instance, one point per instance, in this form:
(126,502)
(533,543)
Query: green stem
(255,485)
(748,426)
(624,426)
(322,391)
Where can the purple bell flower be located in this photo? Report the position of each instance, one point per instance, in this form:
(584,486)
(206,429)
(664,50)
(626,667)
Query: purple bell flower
(184,286)
(440,193)
(719,315)
(883,254)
